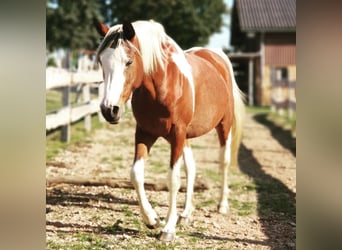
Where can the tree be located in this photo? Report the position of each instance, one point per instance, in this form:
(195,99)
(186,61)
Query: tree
(70,24)
(189,22)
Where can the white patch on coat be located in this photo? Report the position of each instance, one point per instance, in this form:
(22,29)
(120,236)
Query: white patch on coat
(225,160)
(174,185)
(185,68)
(190,169)
(137,177)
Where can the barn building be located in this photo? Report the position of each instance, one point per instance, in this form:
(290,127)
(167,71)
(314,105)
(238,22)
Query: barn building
(263,37)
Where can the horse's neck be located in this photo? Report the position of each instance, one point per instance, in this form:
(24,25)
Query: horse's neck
(156,84)
(165,86)
(149,86)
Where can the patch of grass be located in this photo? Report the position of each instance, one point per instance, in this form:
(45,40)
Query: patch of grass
(242,187)
(53,100)
(96,217)
(137,223)
(160,146)
(114,228)
(127,211)
(243,208)
(117,158)
(158,167)
(78,134)
(212,174)
(257,109)
(154,203)
(105,159)
(133,220)
(198,146)
(280,120)
(156,245)
(283,121)
(54,145)
(206,203)
(83,241)
(89,241)
(50,244)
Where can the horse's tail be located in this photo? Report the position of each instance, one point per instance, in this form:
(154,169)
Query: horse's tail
(239,111)
(239,115)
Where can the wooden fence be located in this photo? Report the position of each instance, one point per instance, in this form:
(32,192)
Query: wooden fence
(65,81)
(283,97)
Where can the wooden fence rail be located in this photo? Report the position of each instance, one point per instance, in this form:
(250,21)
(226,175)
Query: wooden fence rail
(65,80)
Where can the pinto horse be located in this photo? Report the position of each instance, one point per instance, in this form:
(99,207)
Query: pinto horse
(175,94)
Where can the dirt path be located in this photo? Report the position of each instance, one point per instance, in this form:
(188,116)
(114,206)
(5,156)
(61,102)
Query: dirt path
(262,196)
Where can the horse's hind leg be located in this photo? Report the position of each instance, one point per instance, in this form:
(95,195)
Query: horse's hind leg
(143,143)
(190,170)
(225,159)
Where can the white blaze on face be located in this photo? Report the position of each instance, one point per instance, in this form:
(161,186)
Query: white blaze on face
(113,65)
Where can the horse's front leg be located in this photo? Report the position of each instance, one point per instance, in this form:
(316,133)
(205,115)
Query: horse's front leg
(169,231)
(143,143)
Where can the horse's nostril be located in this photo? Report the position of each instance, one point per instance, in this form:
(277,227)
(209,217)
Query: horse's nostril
(115,109)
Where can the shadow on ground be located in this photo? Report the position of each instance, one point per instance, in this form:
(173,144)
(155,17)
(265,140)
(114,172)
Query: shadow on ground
(276,203)
(58,197)
(284,137)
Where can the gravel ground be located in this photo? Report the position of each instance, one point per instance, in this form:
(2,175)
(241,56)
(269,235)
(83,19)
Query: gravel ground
(262,197)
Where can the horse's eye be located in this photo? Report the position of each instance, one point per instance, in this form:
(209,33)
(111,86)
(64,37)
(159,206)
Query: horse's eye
(129,63)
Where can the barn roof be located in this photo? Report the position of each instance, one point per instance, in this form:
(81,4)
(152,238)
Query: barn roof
(267,15)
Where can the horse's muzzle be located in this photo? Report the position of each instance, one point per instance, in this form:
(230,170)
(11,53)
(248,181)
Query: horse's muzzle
(112,114)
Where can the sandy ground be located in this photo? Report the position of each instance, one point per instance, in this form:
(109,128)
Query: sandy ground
(262,196)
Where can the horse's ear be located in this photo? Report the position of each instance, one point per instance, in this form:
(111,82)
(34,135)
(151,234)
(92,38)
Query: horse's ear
(101,28)
(128,30)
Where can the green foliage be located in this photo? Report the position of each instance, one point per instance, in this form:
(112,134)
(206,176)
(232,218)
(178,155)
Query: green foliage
(70,25)
(51,62)
(189,22)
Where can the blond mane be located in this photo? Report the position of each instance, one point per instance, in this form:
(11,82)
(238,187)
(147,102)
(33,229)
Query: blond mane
(151,35)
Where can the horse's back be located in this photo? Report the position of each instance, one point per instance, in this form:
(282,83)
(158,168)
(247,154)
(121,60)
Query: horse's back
(213,92)
(214,57)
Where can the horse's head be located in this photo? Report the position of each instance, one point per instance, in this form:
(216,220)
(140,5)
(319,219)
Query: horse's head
(122,68)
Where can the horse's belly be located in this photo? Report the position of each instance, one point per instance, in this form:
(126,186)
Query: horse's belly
(203,122)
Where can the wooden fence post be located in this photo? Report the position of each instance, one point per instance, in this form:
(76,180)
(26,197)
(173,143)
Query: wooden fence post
(65,133)
(64,117)
(250,82)
(292,99)
(100,96)
(86,99)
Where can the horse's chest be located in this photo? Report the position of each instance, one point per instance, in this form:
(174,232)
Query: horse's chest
(152,118)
